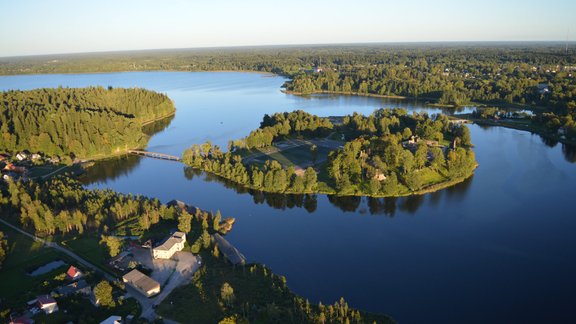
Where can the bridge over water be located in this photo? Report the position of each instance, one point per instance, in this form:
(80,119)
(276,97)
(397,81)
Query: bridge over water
(155,155)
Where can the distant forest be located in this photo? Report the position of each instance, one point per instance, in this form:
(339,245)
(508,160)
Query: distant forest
(78,122)
(539,75)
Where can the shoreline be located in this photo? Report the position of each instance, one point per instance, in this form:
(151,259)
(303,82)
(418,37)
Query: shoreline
(425,100)
(151,121)
(428,189)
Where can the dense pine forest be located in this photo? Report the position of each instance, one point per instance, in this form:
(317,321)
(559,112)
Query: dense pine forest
(78,122)
(388,153)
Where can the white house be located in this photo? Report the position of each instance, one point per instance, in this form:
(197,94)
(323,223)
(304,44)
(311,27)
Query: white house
(21,156)
(172,245)
(47,304)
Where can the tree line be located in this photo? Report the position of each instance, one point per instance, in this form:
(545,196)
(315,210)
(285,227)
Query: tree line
(62,206)
(78,122)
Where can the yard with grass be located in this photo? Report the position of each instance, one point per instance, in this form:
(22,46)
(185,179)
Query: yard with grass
(88,247)
(24,255)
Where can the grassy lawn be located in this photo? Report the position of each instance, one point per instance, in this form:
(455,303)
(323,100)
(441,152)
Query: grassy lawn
(431,177)
(89,248)
(24,254)
(295,156)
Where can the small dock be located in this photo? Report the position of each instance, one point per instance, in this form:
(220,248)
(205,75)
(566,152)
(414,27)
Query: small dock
(155,155)
(230,252)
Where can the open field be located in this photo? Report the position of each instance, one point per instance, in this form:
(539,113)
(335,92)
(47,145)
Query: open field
(295,153)
(300,156)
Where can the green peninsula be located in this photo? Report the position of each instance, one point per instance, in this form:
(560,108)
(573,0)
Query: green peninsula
(388,153)
(81,123)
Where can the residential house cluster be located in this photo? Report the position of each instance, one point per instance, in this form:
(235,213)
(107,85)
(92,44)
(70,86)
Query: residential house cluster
(47,303)
(14,170)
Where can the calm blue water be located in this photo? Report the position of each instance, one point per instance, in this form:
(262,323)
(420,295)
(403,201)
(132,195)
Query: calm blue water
(499,248)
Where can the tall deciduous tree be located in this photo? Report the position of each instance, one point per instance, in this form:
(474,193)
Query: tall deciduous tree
(103,293)
(113,244)
(185,222)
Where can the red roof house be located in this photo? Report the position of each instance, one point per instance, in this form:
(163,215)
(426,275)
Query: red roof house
(13,168)
(73,273)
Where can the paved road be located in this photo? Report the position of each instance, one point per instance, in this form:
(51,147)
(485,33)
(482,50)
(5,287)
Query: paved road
(63,250)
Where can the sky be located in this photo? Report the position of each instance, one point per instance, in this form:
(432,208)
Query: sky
(33,27)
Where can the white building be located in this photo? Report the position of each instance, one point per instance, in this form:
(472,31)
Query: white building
(172,245)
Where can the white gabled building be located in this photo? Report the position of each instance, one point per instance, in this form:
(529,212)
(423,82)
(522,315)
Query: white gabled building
(172,245)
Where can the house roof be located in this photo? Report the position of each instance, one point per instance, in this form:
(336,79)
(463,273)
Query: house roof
(177,237)
(46,300)
(73,271)
(140,280)
(112,320)
(73,287)
(21,320)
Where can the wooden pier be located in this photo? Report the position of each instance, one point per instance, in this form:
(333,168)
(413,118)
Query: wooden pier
(155,155)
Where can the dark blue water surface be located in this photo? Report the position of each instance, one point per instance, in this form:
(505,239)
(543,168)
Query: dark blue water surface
(498,248)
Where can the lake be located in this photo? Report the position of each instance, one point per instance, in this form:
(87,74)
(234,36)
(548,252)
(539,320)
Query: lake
(498,248)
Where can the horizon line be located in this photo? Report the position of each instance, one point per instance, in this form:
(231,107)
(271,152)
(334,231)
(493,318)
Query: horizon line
(263,46)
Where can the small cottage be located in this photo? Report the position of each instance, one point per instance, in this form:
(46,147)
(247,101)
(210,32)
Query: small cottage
(73,273)
(47,304)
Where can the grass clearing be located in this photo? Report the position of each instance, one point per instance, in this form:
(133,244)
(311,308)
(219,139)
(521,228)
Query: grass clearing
(89,248)
(297,156)
(48,169)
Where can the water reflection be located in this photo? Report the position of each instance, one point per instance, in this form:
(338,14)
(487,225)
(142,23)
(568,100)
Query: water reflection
(549,141)
(569,152)
(110,169)
(157,126)
(113,168)
(375,206)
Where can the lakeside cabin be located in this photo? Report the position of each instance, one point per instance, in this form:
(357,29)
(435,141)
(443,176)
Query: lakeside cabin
(172,245)
(142,283)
